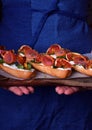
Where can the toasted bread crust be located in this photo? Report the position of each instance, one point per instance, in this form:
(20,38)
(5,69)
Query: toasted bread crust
(83,70)
(23,74)
(52,71)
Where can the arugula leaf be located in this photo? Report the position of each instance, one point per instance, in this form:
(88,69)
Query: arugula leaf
(1,61)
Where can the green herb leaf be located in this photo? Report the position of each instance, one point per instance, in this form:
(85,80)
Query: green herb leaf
(62,57)
(20,66)
(1,61)
(29,67)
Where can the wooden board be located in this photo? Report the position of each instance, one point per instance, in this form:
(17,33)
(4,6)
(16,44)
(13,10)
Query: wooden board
(46,80)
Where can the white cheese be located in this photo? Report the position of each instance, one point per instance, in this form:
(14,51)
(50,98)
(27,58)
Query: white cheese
(54,56)
(13,66)
(21,54)
(72,62)
(56,68)
(63,68)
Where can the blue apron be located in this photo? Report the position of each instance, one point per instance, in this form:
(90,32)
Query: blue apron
(40,23)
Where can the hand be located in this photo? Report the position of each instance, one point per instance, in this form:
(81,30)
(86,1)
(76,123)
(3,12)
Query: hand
(20,90)
(66,90)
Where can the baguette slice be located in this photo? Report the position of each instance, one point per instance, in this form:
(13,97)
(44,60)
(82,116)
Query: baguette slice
(82,70)
(60,73)
(81,63)
(16,72)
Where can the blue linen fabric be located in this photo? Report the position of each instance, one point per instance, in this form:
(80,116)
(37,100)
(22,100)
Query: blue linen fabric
(40,23)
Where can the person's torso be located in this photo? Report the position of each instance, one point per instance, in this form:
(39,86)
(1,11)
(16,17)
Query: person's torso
(40,24)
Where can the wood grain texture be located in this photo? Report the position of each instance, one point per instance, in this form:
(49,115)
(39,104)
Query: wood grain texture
(83,82)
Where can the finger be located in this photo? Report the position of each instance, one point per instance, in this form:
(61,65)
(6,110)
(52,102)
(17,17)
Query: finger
(31,89)
(66,90)
(20,90)
(24,90)
(15,90)
(71,90)
(59,89)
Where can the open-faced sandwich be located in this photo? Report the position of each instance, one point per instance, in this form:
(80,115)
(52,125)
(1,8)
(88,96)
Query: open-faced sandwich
(58,67)
(80,63)
(15,64)
(46,63)
(56,51)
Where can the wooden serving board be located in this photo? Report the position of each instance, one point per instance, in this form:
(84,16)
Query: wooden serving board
(42,79)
